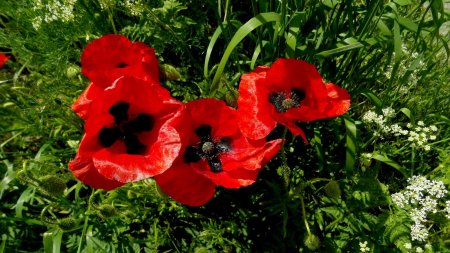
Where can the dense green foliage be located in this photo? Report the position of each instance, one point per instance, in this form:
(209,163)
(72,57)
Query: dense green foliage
(331,195)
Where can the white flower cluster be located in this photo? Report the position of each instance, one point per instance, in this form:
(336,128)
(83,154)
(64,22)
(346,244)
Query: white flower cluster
(363,247)
(420,198)
(447,208)
(418,136)
(379,119)
(134,7)
(53,10)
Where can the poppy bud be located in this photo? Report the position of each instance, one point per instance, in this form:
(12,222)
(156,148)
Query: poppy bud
(333,190)
(53,185)
(106,211)
(169,72)
(312,242)
(66,224)
(72,71)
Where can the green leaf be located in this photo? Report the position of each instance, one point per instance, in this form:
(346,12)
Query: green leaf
(52,241)
(403,2)
(351,145)
(372,97)
(26,196)
(212,42)
(408,24)
(390,162)
(242,32)
(407,113)
(397,41)
(351,46)
(384,29)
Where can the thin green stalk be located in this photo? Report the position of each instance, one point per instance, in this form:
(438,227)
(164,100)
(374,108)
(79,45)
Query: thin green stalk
(304,215)
(85,225)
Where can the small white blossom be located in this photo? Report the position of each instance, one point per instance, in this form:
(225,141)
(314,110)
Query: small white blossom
(447,209)
(407,245)
(427,147)
(432,137)
(419,250)
(419,232)
(433,128)
(420,123)
(388,112)
(363,247)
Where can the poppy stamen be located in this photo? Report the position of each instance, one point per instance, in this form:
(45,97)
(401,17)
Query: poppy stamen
(283,101)
(208,149)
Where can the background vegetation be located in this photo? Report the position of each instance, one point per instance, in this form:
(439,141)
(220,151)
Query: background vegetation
(333,195)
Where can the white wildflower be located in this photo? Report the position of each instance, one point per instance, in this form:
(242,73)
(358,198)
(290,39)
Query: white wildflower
(419,250)
(432,137)
(420,123)
(447,209)
(407,245)
(433,128)
(388,112)
(363,247)
(419,232)
(427,147)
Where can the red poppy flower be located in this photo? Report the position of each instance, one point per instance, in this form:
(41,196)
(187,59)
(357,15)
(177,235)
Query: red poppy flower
(216,153)
(130,134)
(288,92)
(112,56)
(3,59)
(81,105)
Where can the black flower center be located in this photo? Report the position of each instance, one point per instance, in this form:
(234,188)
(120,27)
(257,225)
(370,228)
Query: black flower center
(208,149)
(125,129)
(121,65)
(284,101)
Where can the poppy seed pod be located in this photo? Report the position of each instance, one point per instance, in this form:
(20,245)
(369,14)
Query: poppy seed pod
(52,184)
(312,242)
(332,189)
(67,223)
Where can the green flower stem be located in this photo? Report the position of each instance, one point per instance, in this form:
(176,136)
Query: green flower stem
(85,225)
(285,171)
(304,216)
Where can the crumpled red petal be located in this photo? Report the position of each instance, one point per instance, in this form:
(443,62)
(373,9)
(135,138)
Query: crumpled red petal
(186,186)
(339,100)
(112,56)
(83,169)
(3,60)
(255,113)
(81,105)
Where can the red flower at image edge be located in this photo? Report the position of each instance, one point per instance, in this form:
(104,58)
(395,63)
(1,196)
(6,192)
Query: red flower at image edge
(130,134)
(110,57)
(216,153)
(3,59)
(288,92)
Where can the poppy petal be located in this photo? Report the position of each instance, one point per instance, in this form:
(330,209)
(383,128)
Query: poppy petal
(81,105)
(3,60)
(85,171)
(255,120)
(222,119)
(186,186)
(339,100)
(107,58)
